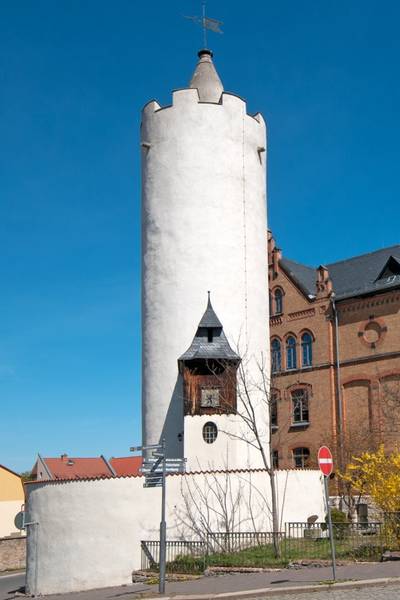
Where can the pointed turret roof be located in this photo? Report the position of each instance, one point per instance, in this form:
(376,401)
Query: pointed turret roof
(205,78)
(210,319)
(205,346)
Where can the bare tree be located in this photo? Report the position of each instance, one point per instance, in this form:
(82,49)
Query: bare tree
(255,403)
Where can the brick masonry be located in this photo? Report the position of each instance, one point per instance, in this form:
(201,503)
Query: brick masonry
(12,553)
(369,351)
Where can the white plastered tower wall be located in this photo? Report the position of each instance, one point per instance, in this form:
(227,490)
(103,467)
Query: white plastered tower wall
(203,228)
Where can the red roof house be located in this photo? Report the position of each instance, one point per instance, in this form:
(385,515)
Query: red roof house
(126,465)
(67,467)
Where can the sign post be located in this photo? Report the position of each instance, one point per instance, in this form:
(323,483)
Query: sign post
(155,468)
(325,463)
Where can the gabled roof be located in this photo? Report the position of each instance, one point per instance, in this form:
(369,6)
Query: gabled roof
(305,277)
(126,465)
(218,347)
(10,471)
(357,276)
(67,467)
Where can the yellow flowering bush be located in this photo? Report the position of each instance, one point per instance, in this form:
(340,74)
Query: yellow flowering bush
(376,474)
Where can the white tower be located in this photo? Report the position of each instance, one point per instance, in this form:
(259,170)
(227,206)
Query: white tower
(203,228)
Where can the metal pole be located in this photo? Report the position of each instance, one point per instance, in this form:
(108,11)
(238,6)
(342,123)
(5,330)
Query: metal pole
(328,508)
(339,385)
(204,26)
(163,527)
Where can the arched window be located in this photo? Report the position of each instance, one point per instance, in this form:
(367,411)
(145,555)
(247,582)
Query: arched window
(278,302)
(291,359)
(276,356)
(306,350)
(300,413)
(210,432)
(301,457)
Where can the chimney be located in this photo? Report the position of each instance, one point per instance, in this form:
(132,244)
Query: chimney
(324,282)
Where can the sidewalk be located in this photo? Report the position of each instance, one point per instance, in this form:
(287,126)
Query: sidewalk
(291,581)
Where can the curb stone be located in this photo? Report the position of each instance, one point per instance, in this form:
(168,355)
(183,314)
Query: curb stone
(298,589)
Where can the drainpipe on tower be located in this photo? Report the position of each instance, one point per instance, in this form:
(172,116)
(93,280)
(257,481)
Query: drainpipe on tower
(338,384)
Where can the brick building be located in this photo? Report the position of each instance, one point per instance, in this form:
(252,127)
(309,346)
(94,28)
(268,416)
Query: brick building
(335,346)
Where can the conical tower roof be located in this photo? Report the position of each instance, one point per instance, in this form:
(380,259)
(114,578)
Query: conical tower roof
(205,78)
(206,347)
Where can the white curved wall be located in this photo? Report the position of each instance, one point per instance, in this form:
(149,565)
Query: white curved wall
(204,228)
(89,532)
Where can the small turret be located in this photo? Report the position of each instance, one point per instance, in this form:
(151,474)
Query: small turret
(209,369)
(205,78)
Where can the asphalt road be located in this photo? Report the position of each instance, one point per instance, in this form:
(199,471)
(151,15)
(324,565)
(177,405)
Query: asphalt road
(9,584)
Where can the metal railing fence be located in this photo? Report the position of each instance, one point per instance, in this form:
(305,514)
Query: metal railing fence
(352,540)
(222,543)
(181,556)
(299,541)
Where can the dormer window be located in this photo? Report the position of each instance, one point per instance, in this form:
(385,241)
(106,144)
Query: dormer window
(390,271)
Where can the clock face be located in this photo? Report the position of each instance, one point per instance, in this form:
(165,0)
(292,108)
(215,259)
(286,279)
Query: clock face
(209,398)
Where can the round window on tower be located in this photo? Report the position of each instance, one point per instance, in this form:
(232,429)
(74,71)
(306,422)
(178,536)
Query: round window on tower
(210,432)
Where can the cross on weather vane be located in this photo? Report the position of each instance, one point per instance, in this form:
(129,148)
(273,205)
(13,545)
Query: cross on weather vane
(206,23)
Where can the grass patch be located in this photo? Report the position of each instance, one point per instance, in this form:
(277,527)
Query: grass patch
(291,550)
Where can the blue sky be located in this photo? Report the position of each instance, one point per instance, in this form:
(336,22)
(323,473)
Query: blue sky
(73,78)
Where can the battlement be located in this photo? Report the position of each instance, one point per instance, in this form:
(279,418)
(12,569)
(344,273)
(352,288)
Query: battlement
(185,97)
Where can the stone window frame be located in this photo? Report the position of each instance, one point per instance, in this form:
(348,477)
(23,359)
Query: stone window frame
(382,329)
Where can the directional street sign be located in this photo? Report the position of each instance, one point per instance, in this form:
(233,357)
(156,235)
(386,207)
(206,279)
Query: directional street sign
(155,468)
(325,461)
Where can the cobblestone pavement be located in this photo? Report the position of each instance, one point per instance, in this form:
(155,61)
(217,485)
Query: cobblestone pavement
(389,592)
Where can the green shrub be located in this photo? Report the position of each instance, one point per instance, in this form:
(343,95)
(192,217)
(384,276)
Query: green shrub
(340,523)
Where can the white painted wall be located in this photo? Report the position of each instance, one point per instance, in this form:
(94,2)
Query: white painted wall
(225,453)
(8,510)
(88,533)
(204,228)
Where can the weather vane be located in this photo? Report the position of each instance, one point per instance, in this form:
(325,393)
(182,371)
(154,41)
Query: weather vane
(206,23)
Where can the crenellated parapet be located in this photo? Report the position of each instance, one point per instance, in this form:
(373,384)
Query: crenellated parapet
(185,98)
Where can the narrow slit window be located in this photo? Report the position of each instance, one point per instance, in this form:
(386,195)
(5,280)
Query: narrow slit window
(291,359)
(306,350)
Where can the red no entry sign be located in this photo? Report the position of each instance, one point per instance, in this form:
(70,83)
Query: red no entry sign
(325,460)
